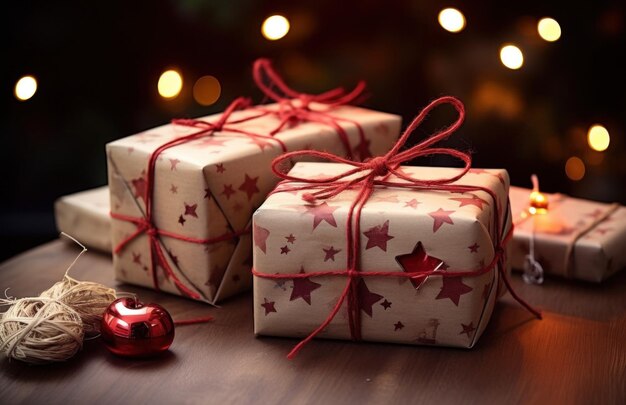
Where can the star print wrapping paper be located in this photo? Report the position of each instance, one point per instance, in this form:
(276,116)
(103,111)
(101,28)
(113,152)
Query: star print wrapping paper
(596,233)
(211,186)
(402,230)
(85,216)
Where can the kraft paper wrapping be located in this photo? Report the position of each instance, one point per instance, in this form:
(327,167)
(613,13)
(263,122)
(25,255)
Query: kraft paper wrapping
(85,216)
(457,229)
(598,245)
(211,186)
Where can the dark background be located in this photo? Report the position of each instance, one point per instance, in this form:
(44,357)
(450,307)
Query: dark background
(97,65)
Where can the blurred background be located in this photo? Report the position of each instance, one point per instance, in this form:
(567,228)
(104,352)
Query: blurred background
(543,83)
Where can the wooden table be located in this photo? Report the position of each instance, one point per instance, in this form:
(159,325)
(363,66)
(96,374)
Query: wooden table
(576,354)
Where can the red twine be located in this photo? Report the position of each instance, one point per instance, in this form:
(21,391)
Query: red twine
(295,107)
(367,175)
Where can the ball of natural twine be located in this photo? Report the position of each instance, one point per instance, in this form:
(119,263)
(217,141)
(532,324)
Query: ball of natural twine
(51,327)
(40,330)
(87,298)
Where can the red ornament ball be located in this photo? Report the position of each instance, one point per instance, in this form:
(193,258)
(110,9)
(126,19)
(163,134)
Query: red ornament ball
(132,329)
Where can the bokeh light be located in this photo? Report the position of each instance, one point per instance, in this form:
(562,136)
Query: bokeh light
(575,168)
(598,138)
(275,27)
(207,90)
(549,29)
(452,20)
(25,88)
(170,84)
(511,57)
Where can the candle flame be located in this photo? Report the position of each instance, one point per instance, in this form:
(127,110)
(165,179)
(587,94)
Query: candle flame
(538,201)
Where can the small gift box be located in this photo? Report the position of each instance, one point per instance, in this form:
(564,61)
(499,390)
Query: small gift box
(85,216)
(182,195)
(382,252)
(574,238)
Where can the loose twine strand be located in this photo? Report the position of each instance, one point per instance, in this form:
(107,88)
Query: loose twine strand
(52,326)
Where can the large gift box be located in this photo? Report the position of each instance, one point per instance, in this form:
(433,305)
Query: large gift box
(575,238)
(402,230)
(194,238)
(85,216)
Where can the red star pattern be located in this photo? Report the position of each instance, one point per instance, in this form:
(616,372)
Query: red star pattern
(412,203)
(268,306)
(290,239)
(261,143)
(382,129)
(602,231)
(322,212)
(468,329)
(191,210)
(228,191)
(366,297)
(417,262)
(137,258)
(220,168)
(260,235)
(285,250)
(398,325)
(302,288)
(173,163)
(330,253)
(181,220)
(211,141)
(473,200)
(453,288)
(378,236)
(386,304)
(174,189)
(140,184)
(207,193)
(249,186)
(474,248)
(441,217)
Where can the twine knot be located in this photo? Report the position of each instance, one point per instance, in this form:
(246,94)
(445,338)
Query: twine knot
(378,166)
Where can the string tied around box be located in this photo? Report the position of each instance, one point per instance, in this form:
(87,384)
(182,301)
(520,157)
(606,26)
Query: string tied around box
(365,177)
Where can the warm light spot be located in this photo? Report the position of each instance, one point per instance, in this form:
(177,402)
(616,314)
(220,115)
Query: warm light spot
(549,29)
(452,20)
(598,138)
(170,84)
(275,27)
(511,57)
(206,90)
(575,168)
(25,88)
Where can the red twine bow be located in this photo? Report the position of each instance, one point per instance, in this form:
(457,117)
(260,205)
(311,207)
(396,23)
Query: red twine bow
(295,107)
(366,176)
(146,224)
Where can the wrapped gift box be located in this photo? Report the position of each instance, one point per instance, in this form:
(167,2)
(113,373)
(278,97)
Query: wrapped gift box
(400,229)
(210,187)
(576,238)
(85,216)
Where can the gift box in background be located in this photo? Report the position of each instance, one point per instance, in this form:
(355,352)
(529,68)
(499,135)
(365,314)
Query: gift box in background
(402,230)
(206,189)
(575,238)
(86,216)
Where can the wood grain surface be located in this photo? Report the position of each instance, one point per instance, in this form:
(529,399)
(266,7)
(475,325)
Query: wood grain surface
(576,354)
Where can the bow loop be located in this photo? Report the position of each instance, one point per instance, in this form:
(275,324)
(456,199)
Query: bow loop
(267,79)
(382,166)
